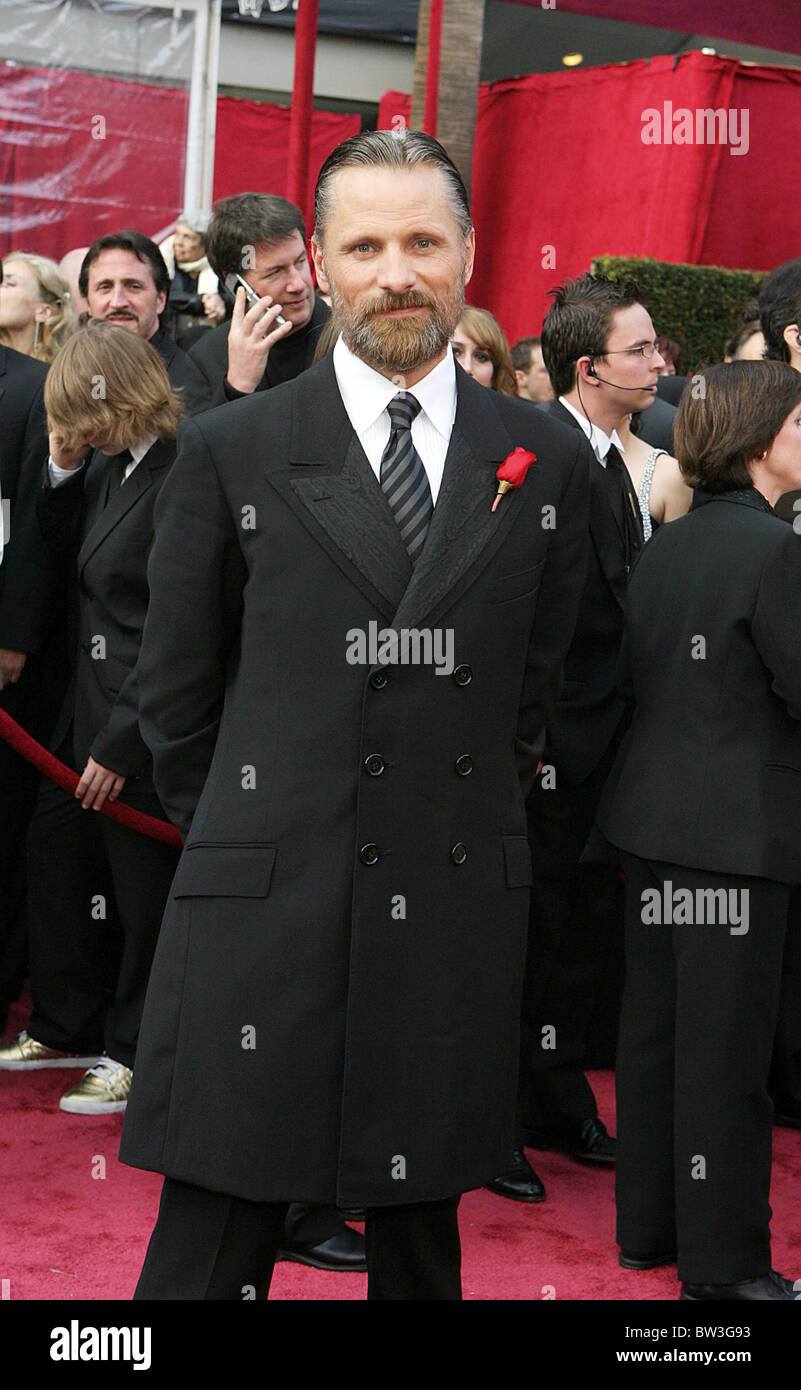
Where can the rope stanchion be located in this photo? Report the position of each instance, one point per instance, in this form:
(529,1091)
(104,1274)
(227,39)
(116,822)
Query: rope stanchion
(17,738)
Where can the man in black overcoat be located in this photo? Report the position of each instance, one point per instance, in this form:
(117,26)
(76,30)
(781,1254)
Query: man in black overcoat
(348,663)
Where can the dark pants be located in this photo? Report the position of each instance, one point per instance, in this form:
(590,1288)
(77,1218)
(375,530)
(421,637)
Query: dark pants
(693,1112)
(785,1071)
(207,1245)
(97,892)
(572,920)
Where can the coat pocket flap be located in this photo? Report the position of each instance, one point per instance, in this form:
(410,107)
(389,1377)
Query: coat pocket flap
(517,853)
(224,871)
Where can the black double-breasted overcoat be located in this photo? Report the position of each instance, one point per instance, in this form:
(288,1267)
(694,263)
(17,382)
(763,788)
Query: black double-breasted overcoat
(333,1013)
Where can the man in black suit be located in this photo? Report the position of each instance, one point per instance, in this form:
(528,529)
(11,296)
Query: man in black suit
(29,586)
(600,348)
(262,238)
(125,281)
(348,662)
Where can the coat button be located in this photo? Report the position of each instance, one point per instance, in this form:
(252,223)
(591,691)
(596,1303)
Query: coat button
(463,675)
(458,854)
(464,765)
(374,764)
(369,854)
(379,679)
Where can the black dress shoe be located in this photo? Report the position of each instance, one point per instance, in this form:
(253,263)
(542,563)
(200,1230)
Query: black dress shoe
(629,1259)
(769,1287)
(343,1251)
(593,1144)
(519,1182)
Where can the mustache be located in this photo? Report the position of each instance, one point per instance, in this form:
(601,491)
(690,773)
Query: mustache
(387,302)
(119,314)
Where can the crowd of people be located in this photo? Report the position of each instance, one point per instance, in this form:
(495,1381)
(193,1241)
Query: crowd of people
(188,546)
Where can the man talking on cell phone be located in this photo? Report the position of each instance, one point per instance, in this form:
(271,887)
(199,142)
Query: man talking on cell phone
(333,1014)
(262,239)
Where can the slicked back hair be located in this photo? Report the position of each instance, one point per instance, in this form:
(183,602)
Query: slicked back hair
(579,321)
(390,149)
(245,221)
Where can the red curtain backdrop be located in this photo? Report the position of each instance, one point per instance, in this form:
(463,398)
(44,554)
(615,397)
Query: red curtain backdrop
(252,145)
(561,174)
(61,186)
(765,23)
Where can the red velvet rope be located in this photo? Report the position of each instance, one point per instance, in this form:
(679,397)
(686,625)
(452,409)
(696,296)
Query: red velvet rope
(33,752)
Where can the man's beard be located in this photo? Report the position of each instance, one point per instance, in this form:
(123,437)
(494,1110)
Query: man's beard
(393,345)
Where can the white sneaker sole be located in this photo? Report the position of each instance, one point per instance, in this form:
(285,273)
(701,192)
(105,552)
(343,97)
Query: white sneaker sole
(82,1063)
(91,1107)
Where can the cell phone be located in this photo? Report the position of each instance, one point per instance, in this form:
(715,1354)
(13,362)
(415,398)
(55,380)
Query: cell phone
(233,281)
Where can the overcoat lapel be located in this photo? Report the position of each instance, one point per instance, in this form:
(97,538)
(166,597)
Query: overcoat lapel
(464,531)
(108,511)
(347,511)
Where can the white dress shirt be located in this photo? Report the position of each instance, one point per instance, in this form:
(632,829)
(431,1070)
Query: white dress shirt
(366,395)
(601,443)
(137,452)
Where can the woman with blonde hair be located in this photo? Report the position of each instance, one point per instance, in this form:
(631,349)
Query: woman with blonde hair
(113,418)
(36,313)
(479,345)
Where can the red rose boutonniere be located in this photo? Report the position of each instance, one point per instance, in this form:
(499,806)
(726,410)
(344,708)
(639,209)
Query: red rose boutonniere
(512,472)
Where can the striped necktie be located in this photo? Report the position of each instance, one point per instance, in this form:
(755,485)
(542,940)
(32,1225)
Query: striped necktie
(403,478)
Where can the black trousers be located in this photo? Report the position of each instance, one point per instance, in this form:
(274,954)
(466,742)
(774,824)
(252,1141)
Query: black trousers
(90,960)
(693,1112)
(573,916)
(785,1071)
(207,1245)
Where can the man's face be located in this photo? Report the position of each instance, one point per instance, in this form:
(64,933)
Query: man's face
(281,269)
(122,290)
(396,263)
(630,360)
(535,384)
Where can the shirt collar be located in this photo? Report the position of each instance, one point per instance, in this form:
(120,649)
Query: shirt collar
(141,447)
(366,393)
(600,441)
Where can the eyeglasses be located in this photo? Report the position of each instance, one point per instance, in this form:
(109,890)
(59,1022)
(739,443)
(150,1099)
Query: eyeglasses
(644,350)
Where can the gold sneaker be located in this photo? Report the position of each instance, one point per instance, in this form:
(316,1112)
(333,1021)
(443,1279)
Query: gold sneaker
(102,1091)
(24,1053)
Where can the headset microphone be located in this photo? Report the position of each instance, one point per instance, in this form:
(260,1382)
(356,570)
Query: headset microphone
(592,372)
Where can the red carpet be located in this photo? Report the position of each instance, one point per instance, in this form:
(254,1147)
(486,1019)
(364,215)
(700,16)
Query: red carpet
(72,1233)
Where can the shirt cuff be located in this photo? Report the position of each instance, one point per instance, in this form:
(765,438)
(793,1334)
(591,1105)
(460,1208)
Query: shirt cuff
(58,475)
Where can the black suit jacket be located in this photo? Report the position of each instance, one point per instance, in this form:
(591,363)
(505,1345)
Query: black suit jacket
(184,374)
(590,708)
(322,791)
(109,536)
(288,357)
(709,775)
(28,573)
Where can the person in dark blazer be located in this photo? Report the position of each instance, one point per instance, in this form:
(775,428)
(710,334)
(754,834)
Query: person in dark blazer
(599,346)
(347,665)
(705,801)
(30,663)
(88,874)
(125,281)
(262,238)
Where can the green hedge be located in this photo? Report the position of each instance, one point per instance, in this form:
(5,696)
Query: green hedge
(698,305)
